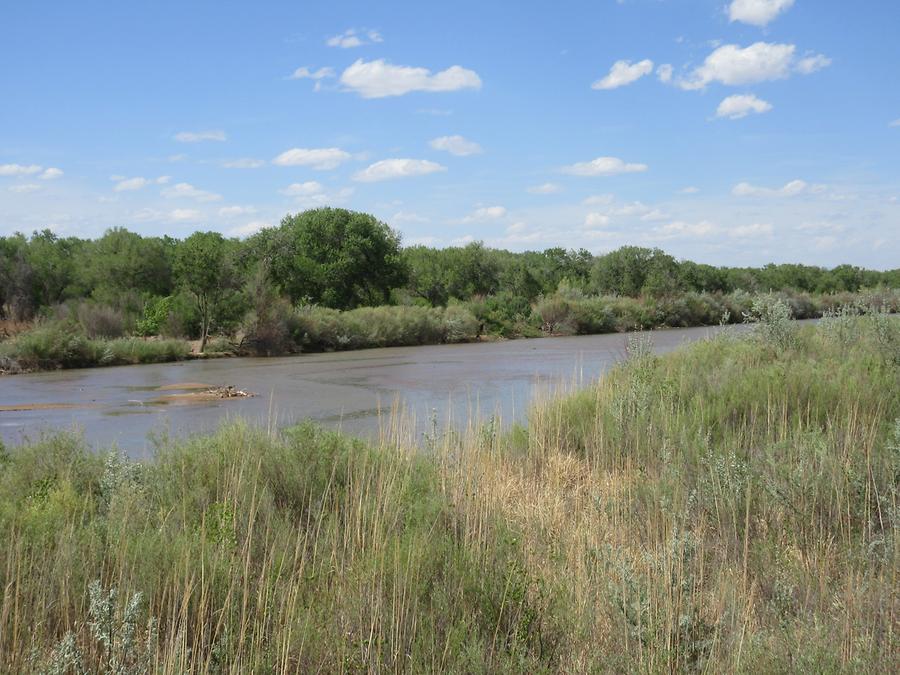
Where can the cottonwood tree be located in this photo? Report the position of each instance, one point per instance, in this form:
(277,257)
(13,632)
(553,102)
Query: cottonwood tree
(203,267)
(335,257)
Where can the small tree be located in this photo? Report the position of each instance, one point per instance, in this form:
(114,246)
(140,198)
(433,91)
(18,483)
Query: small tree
(203,267)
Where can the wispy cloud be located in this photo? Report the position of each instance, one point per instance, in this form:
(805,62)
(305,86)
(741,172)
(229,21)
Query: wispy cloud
(188,191)
(740,105)
(545,189)
(19,169)
(200,136)
(485,213)
(603,166)
(623,73)
(380,79)
(388,169)
(760,62)
(456,145)
(306,73)
(791,189)
(757,12)
(244,163)
(322,159)
(124,184)
(354,38)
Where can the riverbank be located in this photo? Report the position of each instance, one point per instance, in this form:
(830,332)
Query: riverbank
(65,344)
(731,505)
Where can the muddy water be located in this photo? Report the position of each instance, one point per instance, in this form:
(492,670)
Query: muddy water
(130,406)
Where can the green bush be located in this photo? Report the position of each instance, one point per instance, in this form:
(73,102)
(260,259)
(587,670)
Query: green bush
(156,314)
(63,344)
(321,328)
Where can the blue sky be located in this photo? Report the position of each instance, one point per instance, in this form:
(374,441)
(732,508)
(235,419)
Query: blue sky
(726,132)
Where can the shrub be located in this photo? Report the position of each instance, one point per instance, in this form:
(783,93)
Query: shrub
(555,315)
(321,328)
(772,316)
(100,321)
(156,314)
(63,344)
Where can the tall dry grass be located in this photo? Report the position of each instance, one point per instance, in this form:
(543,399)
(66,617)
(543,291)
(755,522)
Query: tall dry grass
(731,507)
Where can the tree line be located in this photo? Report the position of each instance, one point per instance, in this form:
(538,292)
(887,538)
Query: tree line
(343,260)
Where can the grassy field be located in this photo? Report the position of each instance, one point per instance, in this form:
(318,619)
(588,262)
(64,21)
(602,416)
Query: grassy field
(730,507)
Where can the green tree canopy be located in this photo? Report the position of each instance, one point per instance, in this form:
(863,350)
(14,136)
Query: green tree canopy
(123,261)
(335,257)
(203,267)
(632,270)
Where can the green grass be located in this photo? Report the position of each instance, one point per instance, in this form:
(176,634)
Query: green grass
(730,507)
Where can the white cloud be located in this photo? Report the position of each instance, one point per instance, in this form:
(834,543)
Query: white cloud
(354,38)
(810,64)
(235,211)
(753,231)
(378,79)
(760,62)
(545,189)
(791,189)
(303,189)
(653,215)
(249,229)
(680,228)
(599,200)
(825,243)
(408,217)
(305,73)
(895,123)
(182,215)
(51,173)
(740,105)
(188,191)
(200,136)
(689,190)
(603,166)
(244,163)
(594,220)
(757,12)
(388,169)
(317,158)
(180,157)
(19,169)
(664,73)
(128,184)
(485,213)
(632,209)
(456,145)
(25,188)
(624,72)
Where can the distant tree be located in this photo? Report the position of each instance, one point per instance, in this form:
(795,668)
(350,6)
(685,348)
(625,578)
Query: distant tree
(703,278)
(473,270)
(53,266)
(17,298)
(632,271)
(335,257)
(519,280)
(123,261)
(204,269)
(846,278)
(428,272)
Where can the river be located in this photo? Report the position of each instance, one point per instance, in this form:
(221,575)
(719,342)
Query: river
(131,406)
